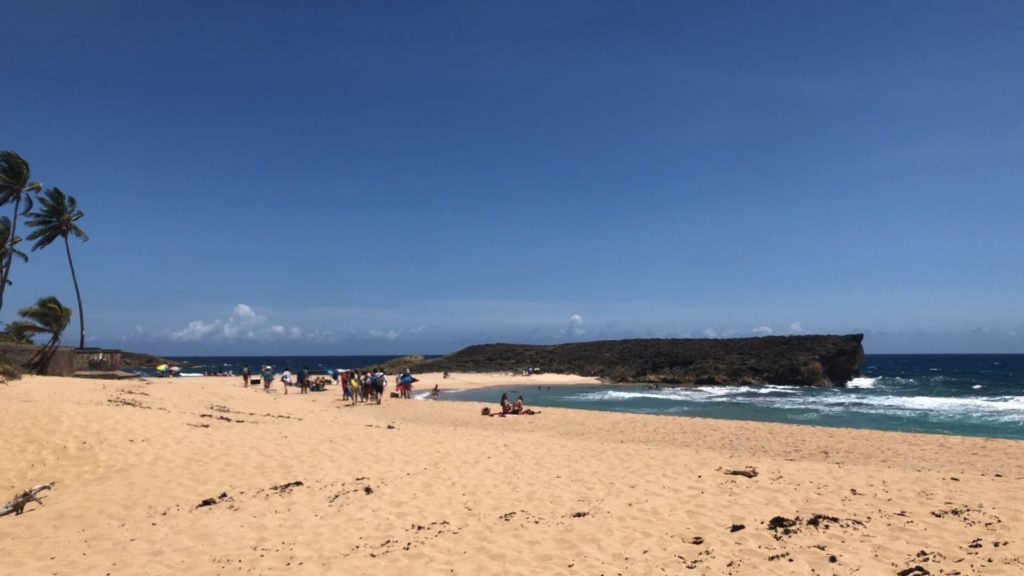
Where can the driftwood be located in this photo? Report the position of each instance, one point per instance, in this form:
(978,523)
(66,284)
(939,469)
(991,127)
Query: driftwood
(749,472)
(17,504)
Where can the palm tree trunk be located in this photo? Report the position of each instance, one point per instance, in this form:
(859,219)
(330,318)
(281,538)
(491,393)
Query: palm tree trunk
(10,253)
(78,295)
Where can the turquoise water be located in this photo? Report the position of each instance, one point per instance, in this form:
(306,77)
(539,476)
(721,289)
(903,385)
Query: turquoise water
(971,395)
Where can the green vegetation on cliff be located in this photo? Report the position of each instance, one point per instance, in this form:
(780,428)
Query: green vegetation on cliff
(796,360)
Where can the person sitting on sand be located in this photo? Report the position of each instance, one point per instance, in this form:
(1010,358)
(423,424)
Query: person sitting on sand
(509,409)
(518,408)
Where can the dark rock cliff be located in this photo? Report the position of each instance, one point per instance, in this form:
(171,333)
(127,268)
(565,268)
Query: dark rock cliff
(794,360)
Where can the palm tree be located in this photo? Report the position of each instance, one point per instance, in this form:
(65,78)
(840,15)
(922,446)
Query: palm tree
(56,218)
(17,332)
(9,243)
(48,317)
(14,187)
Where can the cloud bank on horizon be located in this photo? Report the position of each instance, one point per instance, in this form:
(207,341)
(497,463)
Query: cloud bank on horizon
(245,330)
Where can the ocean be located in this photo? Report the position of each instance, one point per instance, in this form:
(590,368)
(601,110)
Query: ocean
(969,395)
(962,394)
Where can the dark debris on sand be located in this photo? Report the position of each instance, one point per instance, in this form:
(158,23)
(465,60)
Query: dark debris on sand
(287,487)
(212,501)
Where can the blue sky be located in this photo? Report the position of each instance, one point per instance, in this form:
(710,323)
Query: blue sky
(382,177)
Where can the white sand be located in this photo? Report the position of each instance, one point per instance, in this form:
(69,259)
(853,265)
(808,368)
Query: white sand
(563,492)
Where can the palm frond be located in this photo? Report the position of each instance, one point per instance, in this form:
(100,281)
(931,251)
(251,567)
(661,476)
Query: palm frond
(14,178)
(55,218)
(47,315)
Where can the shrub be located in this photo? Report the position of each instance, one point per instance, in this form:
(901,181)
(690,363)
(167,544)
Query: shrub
(8,369)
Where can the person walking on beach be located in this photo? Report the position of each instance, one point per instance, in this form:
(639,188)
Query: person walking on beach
(365,389)
(286,379)
(304,380)
(245,376)
(353,386)
(382,383)
(268,377)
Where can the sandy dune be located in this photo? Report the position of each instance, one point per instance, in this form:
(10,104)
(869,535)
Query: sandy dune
(420,487)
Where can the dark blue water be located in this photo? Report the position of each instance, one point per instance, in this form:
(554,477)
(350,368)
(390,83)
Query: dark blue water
(234,364)
(972,395)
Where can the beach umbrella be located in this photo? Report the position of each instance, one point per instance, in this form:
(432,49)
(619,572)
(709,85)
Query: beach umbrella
(161,368)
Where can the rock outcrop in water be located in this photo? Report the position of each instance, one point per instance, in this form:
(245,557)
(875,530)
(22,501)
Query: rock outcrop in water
(792,360)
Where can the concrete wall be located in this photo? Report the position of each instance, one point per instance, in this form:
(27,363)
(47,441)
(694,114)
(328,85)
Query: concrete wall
(66,361)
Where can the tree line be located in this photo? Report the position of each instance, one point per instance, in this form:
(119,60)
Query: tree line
(55,216)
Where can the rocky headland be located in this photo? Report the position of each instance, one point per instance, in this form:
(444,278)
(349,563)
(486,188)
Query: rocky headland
(790,360)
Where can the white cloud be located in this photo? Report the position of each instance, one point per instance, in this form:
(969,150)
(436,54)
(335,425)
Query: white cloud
(796,327)
(575,326)
(196,330)
(242,324)
(762,331)
(709,333)
(243,313)
(396,333)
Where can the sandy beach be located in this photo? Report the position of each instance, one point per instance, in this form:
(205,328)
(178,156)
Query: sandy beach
(203,476)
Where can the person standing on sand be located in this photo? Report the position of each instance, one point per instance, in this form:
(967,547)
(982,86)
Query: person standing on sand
(286,379)
(353,386)
(245,376)
(304,380)
(382,383)
(268,377)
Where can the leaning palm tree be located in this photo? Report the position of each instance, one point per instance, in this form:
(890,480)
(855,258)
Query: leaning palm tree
(10,243)
(16,187)
(48,317)
(17,332)
(56,218)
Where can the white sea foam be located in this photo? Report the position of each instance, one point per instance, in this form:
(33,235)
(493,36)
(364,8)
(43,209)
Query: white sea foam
(1009,404)
(685,394)
(770,388)
(862,383)
(861,398)
(977,386)
(1004,408)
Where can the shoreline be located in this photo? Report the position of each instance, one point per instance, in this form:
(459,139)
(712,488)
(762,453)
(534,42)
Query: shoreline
(563,492)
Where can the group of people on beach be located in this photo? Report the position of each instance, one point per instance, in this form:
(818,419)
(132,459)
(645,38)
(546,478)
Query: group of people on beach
(509,408)
(365,386)
(266,377)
